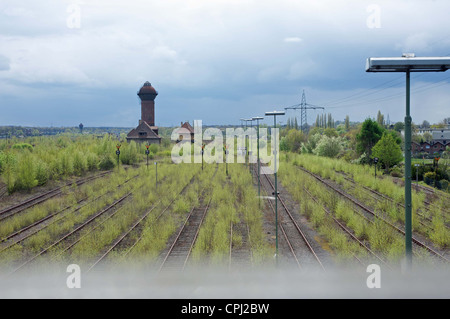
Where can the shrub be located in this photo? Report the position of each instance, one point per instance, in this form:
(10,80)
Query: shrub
(42,173)
(23,146)
(106,162)
(25,174)
(79,164)
(154,148)
(396,172)
(91,161)
(429,177)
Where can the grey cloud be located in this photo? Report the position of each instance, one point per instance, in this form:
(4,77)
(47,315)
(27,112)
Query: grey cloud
(4,63)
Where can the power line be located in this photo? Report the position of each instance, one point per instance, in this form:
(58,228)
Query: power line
(419,89)
(303,106)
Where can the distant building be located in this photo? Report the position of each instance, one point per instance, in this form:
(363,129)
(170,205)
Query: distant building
(429,147)
(185,132)
(146,131)
(441,136)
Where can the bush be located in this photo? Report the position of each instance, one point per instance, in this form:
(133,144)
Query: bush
(42,173)
(106,162)
(444,185)
(429,177)
(25,174)
(396,172)
(154,148)
(329,146)
(91,161)
(79,164)
(23,146)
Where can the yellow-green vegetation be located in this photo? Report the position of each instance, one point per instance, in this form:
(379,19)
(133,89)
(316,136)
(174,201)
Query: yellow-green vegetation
(34,161)
(380,237)
(340,171)
(233,201)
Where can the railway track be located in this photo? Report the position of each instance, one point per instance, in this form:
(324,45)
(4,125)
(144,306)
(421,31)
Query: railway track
(41,224)
(3,190)
(379,196)
(179,252)
(70,234)
(373,214)
(298,243)
(119,243)
(240,256)
(347,231)
(18,208)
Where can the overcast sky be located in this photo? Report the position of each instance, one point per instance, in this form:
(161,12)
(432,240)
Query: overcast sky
(66,62)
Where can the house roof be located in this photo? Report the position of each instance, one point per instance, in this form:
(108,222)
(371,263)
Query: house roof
(187,126)
(143,131)
(441,135)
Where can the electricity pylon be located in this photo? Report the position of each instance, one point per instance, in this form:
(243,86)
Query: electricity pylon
(303,106)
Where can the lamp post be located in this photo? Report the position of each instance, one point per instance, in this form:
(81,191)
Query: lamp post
(225,150)
(246,144)
(408,63)
(274,114)
(417,174)
(257,119)
(203,151)
(156,175)
(250,152)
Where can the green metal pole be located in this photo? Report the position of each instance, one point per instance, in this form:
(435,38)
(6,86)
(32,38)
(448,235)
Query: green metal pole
(408,218)
(259,173)
(156,175)
(250,148)
(276,193)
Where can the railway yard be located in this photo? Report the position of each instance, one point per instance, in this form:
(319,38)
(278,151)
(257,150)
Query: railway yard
(189,216)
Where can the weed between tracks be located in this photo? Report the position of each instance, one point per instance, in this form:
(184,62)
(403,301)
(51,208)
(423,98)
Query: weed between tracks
(380,237)
(340,172)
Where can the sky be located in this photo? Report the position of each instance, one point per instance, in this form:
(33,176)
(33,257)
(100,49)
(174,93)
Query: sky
(63,62)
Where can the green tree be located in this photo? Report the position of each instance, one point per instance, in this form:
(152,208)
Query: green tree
(330,132)
(329,146)
(427,136)
(368,136)
(347,123)
(399,126)
(293,140)
(388,151)
(380,119)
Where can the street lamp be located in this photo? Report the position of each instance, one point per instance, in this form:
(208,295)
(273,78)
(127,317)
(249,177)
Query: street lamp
(247,151)
(250,153)
(417,174)
(257,119)
(274,114)
(408,63)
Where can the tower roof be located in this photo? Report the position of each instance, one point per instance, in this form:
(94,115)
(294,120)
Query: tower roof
(147,88)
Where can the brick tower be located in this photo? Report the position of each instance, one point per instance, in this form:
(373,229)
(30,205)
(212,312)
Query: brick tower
(146,131)
(147,94)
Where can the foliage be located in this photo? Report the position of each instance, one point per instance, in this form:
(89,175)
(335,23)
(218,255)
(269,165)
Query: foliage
(23,146)
(368,136)
(329,146)
(388,151)
(292,141)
